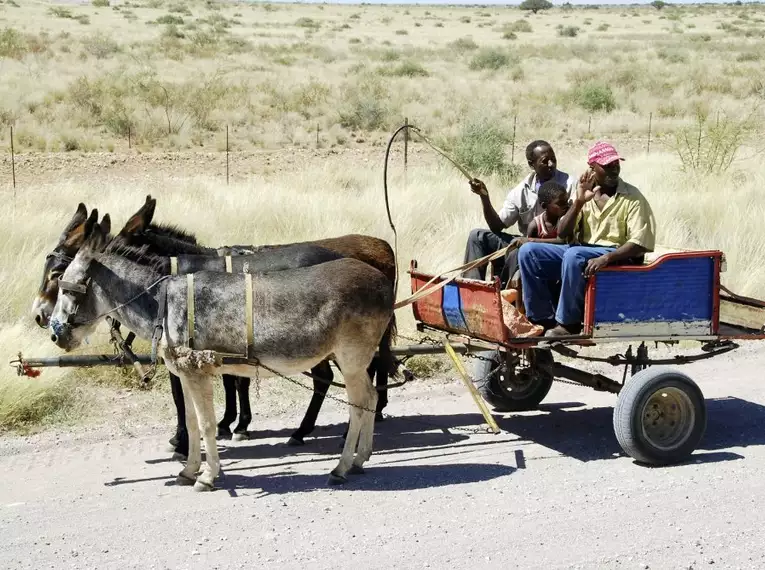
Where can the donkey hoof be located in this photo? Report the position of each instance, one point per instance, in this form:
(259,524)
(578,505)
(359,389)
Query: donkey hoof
(356,470)
(202,487)
(240,436)
(295,442)
(184,481)
(224,434)
(174,440)
(336,479)
(379,417)
(178,456)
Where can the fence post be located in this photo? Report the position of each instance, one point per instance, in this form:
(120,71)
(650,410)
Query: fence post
(512,151)
(13,165)
(130,144)
(226,154)
(317,135)
(589,125)
(650,121)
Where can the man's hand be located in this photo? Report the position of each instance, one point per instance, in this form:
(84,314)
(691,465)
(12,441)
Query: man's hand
(596,264)
(519,241)
(586,189)
(478,187)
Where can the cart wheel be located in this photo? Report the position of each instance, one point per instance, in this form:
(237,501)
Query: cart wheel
(514,381)
(660,416)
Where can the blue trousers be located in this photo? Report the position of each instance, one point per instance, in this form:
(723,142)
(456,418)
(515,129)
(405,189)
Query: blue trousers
(542,265)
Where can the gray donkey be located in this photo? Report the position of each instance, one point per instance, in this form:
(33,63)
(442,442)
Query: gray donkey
(247,325)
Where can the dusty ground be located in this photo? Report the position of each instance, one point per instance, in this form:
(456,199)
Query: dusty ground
(553,490)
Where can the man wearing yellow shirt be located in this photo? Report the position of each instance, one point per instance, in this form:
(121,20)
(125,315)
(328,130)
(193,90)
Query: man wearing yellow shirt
(608,222)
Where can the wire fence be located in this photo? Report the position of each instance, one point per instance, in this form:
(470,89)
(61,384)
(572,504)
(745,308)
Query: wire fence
(131,139)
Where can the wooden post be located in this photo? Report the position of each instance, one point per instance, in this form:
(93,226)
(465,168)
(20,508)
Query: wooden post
(650,121)
(317,135)
(512,151)
(589,125)
(130,144)
(13,165)
(226,154)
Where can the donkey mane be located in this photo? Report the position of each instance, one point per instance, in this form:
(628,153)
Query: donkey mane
(172,231)
(137,254)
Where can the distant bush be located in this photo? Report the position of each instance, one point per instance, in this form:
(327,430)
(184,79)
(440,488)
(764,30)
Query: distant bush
(535,5)
(100,3)
(12,44)
(568,32)
(490,58)
(407,69)
(480,146)
(463,44)
(365,105)
(170,19)
(522,26)
(594,97)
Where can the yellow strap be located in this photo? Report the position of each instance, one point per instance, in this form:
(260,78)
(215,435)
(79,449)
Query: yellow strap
(228,264)
(190,309)
(248,311)
(173,266)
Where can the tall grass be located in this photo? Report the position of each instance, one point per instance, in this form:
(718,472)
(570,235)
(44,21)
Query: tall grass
(433,214)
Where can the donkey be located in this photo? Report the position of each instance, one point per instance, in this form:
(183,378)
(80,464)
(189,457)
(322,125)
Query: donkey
(166,240)
(281,323)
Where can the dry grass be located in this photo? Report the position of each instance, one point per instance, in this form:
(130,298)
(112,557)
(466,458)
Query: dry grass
(176,73)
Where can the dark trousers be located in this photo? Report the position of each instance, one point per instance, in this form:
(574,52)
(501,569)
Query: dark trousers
(481,243)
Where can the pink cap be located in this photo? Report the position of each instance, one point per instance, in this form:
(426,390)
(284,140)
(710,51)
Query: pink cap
(602,153)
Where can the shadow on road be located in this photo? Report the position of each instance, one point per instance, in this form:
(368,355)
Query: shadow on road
(376,478)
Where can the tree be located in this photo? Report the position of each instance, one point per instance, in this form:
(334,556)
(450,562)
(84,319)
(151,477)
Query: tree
(535,5)
(658,4)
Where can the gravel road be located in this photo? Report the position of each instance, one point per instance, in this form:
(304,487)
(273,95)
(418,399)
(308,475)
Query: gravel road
(553,490)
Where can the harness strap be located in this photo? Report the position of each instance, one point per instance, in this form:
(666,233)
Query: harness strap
(158,330)
(190,309)
(248,312)
(74,287)
(228,264)
(173,266)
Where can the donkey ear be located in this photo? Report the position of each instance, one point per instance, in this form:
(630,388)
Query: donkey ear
(136,223)
(97,238)
(74,238)
(106,224)
(148,214)
(77,220)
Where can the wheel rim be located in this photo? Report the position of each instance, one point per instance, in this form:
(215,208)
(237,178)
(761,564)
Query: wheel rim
(519,375)
(667,418)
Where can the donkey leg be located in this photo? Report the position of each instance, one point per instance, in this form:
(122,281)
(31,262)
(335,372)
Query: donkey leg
(308,424)
(245,413)
(180,441)
(229,415)
(189,473)
(380,374)
(358,387)
(366,434)
(203,401)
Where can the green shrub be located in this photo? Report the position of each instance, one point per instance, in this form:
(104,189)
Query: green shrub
(100,3)
(12,44)
(568,32)
(490,58)
(521,26)
(594,97)
(462,45)
(407,69)
(480,146)
(170,19)
(365,105)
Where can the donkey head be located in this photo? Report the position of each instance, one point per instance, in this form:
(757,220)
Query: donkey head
(74,316)
(56,261)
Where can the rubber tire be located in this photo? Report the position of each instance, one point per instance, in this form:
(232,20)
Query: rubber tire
(632,398)
(503,400)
